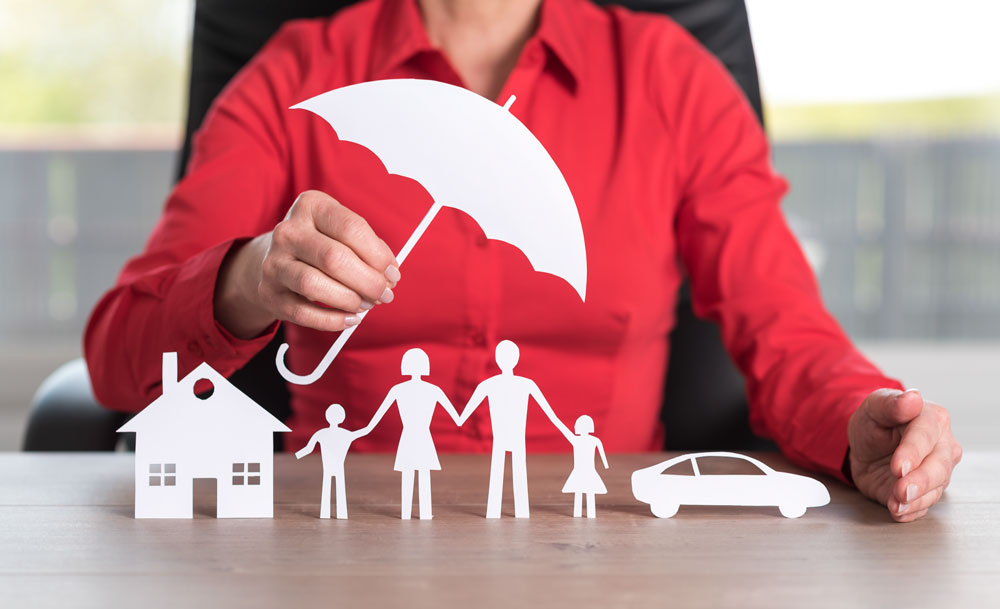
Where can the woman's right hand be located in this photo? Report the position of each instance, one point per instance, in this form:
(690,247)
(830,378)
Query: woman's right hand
(320,267)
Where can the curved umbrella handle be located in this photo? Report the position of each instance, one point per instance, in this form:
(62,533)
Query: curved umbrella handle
(312,377)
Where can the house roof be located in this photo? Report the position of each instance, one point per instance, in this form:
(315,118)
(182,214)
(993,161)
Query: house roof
(227,408)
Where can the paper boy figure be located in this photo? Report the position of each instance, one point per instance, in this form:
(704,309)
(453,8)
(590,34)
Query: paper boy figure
(334,441)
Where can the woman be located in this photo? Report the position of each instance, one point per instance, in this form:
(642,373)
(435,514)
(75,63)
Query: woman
(670,172)
(416,400)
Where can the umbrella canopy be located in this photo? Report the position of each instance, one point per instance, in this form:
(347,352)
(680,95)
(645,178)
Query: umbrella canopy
(470,154)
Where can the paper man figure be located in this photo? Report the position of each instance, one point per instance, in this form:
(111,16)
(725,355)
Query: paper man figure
(584,480)
(508,395)
(334,441)
(416,400)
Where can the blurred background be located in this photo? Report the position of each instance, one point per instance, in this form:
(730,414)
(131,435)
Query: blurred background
(885,118)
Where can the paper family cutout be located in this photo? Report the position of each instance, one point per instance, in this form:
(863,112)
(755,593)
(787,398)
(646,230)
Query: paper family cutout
(665,492)
(416,400)
(469,154)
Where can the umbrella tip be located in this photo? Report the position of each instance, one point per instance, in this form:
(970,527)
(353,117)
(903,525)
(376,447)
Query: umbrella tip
(510,102)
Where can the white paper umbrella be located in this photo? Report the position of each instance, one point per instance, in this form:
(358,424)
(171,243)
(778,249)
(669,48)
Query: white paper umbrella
(470,154)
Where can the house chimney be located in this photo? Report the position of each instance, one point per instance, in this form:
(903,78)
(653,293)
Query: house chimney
(169,372)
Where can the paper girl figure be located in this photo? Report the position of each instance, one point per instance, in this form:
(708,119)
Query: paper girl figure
(416,400)
(584,480)
(334,441)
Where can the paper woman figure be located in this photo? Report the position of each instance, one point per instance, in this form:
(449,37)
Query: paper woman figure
(584,480)
(416,400)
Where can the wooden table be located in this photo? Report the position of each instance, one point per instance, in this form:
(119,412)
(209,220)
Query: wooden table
(68,539)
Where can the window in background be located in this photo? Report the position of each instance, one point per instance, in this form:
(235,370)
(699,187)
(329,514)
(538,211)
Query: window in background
(90,118)
(885,118)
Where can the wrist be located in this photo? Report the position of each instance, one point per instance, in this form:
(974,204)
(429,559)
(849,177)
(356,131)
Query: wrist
(236,302)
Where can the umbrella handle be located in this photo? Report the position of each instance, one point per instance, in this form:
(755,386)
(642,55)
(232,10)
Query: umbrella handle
(324,364)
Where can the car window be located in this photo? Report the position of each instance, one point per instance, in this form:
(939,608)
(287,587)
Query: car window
(709,466)
(680,469)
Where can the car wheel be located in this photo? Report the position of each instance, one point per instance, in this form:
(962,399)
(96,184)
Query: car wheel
(664,510)
(792,511)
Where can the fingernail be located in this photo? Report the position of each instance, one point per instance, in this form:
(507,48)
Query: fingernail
(365,305)
(902,508)
(911,493)
(351,320)
(906,468)
(392,273)
(386,296)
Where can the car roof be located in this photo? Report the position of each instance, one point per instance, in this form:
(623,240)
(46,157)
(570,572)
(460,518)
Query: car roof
(671,462)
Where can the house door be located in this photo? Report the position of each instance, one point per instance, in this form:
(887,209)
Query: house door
(206,497)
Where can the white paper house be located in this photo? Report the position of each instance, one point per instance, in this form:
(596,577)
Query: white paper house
(181,437)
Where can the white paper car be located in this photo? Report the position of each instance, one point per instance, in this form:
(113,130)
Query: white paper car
(666,492)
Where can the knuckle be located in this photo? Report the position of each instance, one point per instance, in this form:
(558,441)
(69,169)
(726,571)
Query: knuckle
(354,226)
(943,417)
(307,284)
(283,234)
(334,257)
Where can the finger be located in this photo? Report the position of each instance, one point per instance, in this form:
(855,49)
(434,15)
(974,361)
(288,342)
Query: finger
(899,509)
(911,516)
(919,438)
(891,407)
(293,308)
(336,221)
(934,471)
(341,263)
(315,286)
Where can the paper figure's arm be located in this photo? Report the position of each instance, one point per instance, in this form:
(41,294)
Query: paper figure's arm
(446,403)
(604,457)
(537,394)
(359,433)
(477,398)
(308,448)
(386,403)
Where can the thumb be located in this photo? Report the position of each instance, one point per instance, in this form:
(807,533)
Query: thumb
(891,407)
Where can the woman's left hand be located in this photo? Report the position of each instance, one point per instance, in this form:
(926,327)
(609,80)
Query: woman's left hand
(902,451)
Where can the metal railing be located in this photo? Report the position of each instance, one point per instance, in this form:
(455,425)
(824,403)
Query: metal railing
(905,235)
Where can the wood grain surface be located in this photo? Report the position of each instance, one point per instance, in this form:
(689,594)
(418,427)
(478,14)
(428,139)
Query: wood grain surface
(68,539)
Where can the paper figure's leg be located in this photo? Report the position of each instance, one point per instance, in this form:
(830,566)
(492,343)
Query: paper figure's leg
(496,483)
(406,497)
(341,499)
(591,510)
(424,491)
(577,505)
(324,502)
(519,471)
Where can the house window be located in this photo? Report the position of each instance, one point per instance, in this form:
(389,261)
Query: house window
(162,474)
(246,474)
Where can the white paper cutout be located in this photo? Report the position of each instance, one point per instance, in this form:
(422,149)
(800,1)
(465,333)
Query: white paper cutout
(416,400)
(508,396)
(469,154)
(584,479)
(665,492)
(181,437)
(334,442)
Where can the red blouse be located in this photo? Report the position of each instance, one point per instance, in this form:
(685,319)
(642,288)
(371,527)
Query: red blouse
(671,174)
